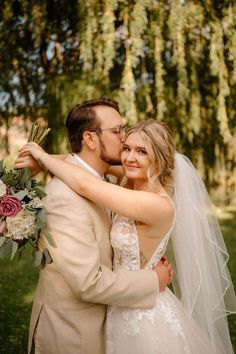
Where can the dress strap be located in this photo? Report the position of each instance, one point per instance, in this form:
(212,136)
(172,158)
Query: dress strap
(168,197)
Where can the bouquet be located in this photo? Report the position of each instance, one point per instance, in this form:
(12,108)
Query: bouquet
(22,217)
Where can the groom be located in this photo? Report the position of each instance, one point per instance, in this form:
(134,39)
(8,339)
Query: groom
(69,309)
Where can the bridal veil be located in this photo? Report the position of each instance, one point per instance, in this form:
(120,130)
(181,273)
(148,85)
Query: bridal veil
(206,289)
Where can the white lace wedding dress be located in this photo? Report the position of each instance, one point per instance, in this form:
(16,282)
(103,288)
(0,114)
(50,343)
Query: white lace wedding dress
(162,329)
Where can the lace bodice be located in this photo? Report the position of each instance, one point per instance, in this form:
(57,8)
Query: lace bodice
(124,241)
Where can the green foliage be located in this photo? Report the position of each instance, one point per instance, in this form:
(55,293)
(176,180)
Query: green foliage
(50,240)
(18,179)
(171,60)
(5,249)
(39,191)
(2,168)
(37,259)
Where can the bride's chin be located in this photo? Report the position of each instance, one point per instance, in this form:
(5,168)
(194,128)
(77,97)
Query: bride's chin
(131,176)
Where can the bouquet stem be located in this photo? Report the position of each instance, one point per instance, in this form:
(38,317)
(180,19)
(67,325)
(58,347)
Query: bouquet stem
(38,132)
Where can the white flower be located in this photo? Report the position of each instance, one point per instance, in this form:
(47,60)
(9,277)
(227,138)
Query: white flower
(35,203)
(20,226)
(111,178)
(3,188)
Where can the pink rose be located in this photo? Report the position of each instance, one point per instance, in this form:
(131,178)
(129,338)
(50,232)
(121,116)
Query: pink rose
(2,227)
(9,205)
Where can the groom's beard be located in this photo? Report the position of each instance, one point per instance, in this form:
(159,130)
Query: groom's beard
(105,156)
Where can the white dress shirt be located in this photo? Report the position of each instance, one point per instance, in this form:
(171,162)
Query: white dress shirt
(88,167)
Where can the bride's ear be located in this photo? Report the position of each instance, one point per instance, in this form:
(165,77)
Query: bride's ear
(90,140)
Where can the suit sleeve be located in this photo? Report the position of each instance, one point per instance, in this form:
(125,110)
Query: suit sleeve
(77,258)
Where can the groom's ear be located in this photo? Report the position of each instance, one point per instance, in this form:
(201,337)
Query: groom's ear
(89,140)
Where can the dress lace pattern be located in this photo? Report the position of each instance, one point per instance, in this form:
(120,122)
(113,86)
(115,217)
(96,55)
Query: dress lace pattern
(129,329)
(124,241)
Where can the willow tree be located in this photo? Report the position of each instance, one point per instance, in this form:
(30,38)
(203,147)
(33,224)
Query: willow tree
(172,60)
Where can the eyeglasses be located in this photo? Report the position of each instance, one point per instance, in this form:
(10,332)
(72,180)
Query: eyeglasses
(119,130)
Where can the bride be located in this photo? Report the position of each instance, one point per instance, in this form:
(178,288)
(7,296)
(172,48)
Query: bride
(162,198)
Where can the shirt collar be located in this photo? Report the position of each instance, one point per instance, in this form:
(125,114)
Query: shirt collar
(88,167)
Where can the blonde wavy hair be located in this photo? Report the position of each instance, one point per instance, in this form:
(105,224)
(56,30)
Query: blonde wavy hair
(159,143)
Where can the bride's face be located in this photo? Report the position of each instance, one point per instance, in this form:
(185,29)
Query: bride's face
(135,158)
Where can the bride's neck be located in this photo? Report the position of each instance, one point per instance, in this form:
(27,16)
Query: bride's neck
(141,185)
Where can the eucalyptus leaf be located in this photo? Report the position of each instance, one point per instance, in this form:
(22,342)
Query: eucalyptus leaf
(25,177)
(5,250)
(2,167)
(14,249)
(39,190)
(2,240)
(21,194)
(9,180)
(48,258)
(35,237)
(41,219)
(38,255)
(49,237)
(28,184)
(19,253)
(31,210)
(43,262)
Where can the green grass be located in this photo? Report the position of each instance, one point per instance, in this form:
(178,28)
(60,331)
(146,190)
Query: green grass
(17,284)
(18,281)
(228,225)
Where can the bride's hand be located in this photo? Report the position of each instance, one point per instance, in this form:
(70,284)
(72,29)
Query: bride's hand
(27,161)
(35,150)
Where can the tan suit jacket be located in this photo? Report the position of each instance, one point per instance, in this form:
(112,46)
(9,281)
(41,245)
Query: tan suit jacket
(69,309)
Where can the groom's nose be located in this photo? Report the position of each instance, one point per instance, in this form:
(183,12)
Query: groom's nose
(122,138)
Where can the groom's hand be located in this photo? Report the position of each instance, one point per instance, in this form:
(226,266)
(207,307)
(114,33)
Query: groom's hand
(164,274)
(166,262)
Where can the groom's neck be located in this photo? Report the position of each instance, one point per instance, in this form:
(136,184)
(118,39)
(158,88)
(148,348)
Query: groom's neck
(94,161)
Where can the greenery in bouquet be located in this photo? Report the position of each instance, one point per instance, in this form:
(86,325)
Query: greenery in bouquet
(22,216)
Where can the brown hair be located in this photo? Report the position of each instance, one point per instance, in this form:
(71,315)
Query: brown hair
(83,117)
(159,142)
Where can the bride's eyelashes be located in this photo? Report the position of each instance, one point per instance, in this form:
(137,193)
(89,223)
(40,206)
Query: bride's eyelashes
(140,151)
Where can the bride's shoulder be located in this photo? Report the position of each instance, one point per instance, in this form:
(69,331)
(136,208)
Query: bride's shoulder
(166,207)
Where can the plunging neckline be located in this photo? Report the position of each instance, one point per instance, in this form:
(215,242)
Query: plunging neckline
(164,239)
(155,250)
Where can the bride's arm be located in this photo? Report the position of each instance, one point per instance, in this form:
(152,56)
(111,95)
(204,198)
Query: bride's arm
(146,207)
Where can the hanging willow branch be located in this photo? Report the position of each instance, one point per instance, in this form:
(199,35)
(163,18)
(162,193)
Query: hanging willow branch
(108,35)
(159,73)
(176,27)
(219,69)
(174,60)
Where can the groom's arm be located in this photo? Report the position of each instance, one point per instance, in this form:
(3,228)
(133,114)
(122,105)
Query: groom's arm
(78,257)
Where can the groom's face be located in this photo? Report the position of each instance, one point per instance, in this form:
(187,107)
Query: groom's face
(111,134)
